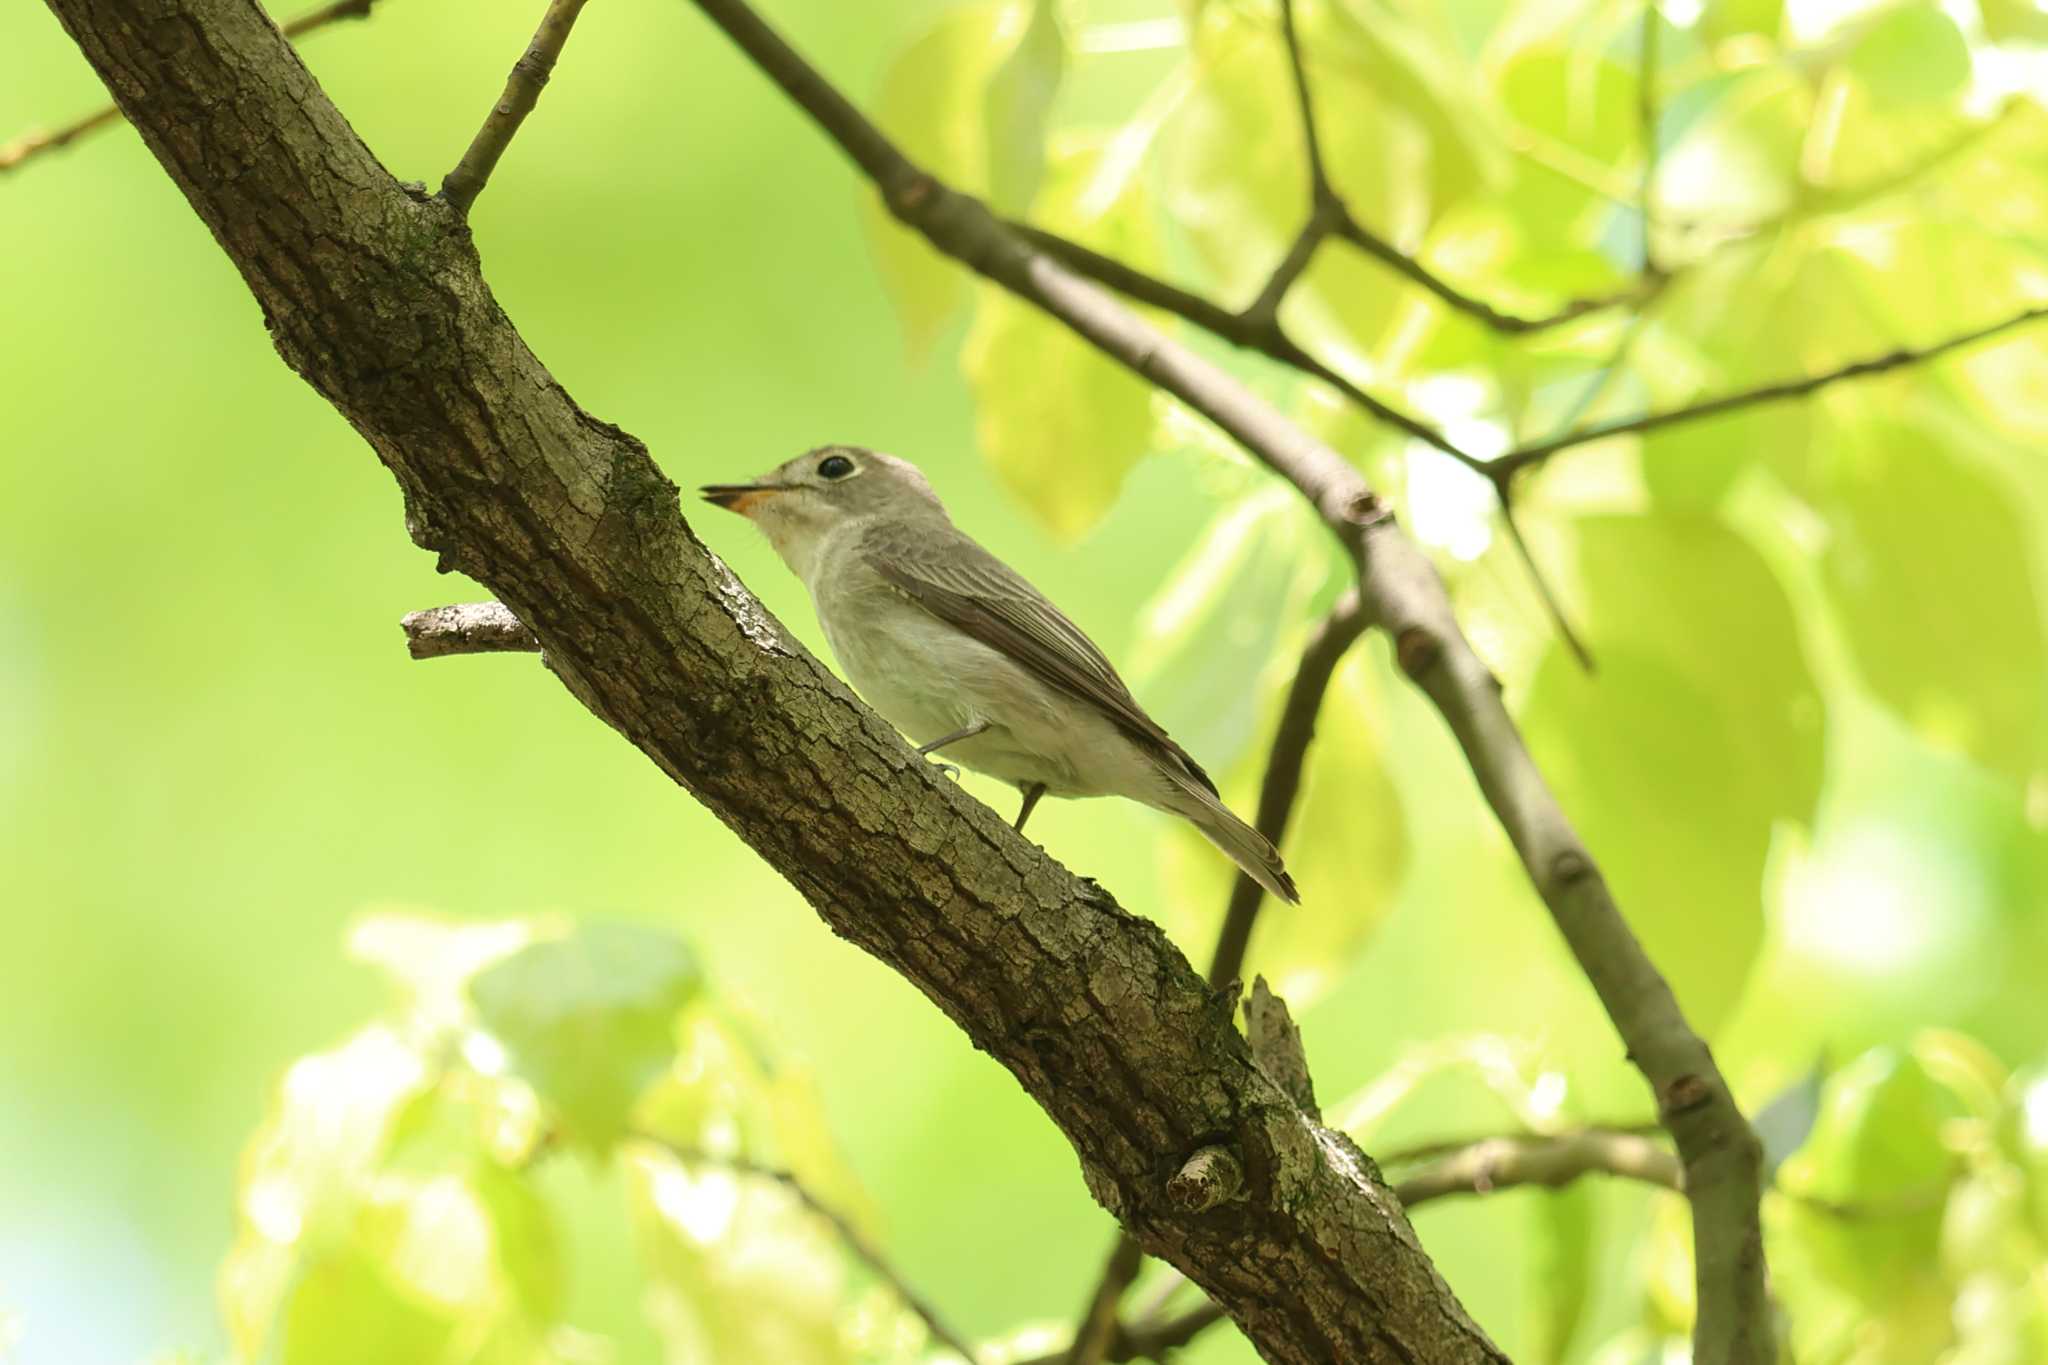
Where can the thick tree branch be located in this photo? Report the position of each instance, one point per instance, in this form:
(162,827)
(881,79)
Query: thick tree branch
(1402,594)
(863,1250)
(529,76)
(372,292)
(35,143)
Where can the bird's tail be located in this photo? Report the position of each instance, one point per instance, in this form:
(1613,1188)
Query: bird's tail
(1244,845)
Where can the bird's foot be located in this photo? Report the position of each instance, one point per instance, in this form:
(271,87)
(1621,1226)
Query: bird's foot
(947,768)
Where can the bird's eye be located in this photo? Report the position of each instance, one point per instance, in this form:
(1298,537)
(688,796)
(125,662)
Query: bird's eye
(834,467)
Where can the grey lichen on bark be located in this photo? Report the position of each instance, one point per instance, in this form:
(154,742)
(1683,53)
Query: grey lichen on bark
(373,292)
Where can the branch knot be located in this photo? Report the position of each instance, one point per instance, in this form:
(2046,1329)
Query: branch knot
(1212,1176)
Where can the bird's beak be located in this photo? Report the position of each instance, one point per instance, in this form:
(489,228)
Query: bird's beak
(738,497)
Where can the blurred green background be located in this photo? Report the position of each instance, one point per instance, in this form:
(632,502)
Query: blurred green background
(1812,757)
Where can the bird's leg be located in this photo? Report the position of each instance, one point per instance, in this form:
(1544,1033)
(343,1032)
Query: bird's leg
(1031,794)
(969,732)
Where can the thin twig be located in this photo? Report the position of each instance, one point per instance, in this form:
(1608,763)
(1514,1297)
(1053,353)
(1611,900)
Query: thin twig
(1503,489)
(841,1225)
(35,142)
(1409,268)
(1326,645)
(1438,1147)
(530,73)
(1266,307)
(1246,329)
(1517,460)
(1320,190)
(1505,1162)
(1553,605)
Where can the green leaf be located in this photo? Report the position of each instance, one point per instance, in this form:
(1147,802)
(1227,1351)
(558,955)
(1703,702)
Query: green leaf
(1699,731)
(931,102)
(1736,142)
(1061,423)
(1725,19)
(589,1020)
(1912,55)
(1397,139)
(1347,847)
(1694,465)
(2009,20)
(1559,1271)
(1867,1188)
(726,1095)
(345,1310)
(329,1127)
(1215,626)
(1236,179)
(432,958)
(1930,569)
(525,1237)
(737,1268)
(1020,95)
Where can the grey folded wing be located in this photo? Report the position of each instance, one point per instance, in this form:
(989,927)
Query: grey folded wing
(972,590)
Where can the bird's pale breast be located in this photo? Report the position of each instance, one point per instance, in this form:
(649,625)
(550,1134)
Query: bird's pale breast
(929,679)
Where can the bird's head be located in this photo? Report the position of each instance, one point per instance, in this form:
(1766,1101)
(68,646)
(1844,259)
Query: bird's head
(798,504)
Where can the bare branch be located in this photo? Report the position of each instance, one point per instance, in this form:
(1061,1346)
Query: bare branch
(35,142)
(1431,1150)
(1402,594)
(530,73)
(466,628)
(1504,1162)
(1517,460)
(863,1249)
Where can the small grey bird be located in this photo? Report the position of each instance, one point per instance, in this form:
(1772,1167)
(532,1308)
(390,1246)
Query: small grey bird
(956,650)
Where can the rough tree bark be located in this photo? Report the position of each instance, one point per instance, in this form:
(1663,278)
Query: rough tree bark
(372,291)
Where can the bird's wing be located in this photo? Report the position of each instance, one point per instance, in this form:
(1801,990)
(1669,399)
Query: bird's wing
(971,589)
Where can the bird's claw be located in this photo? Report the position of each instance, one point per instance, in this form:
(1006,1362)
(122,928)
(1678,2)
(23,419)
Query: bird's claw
(947,768)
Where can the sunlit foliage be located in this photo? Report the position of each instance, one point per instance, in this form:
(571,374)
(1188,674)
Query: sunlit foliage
(1813,757)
